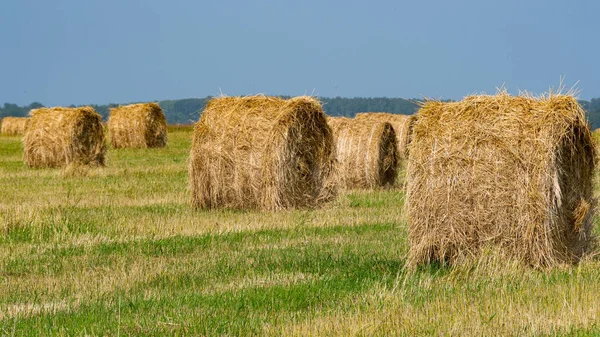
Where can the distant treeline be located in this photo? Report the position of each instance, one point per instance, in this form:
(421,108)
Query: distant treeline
(187,111)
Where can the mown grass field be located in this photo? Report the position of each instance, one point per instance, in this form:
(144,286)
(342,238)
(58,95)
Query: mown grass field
(118,251)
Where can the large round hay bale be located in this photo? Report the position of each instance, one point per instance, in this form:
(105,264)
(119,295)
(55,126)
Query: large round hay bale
(366,153)
(501,173)
(57,137)
(137,126)
(261,152)
(14,126)
(402,124)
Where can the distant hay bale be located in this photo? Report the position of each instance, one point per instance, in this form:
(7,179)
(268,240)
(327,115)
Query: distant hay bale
(14,126)
(261,152)
(366,153)
(505,173)
(596,135)
(137,126)
(57,137)
(402,124)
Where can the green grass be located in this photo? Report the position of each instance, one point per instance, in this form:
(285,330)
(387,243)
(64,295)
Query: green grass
(118,251)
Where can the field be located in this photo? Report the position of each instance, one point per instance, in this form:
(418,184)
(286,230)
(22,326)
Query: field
(118,251)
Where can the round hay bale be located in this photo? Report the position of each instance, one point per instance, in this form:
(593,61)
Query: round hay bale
(137,126)
(596,135)
(510,174)
(366,153)
(261,152)
(57,137)
(14,126)
(402,124)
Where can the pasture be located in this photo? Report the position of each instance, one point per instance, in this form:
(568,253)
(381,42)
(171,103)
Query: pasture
(119,251)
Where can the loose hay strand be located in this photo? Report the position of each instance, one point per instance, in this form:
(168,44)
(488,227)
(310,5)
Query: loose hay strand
(261,152)
(513,173)
(138,126)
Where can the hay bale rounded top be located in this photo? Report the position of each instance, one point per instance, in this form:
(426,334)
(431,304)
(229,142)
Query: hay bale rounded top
(261,152)
(510,173)
(13,126)
(138,126)
(402,124)
(366,153)
(57,137)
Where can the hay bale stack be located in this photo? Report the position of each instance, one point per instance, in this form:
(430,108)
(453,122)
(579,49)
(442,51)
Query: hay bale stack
(138,126)
(14,126)
(501,173)
(402,124)
(261,152)
(57,137)
(366,152)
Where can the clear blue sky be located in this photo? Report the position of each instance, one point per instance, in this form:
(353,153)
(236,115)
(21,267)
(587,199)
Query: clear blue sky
(61,52)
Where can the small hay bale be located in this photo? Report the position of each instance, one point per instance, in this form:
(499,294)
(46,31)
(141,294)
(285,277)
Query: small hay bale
(596,135)
(510,174)
(58,137)
(14,126)
(366,153)
(137,126)
(261,152)
(402,124)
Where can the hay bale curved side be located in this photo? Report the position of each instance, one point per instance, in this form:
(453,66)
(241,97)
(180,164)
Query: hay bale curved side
(505,173)
(13,126)
(366,152)
(261,152)
(57,137)
(402,124)
(137,126)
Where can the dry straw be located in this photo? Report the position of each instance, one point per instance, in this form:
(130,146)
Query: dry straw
(14,126)
(367,155)
(57,137)
(501,172)
(138,126)
(402,124)
(261,152)
(596,135)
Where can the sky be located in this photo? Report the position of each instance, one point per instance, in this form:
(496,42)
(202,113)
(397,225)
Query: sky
(64,52)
